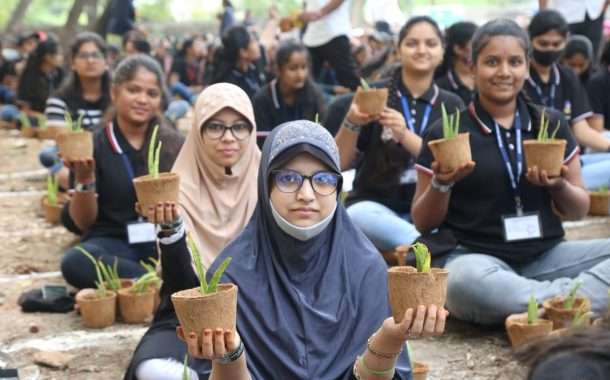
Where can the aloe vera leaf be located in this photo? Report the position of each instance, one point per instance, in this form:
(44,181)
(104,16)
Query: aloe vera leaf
(42,122)
(317,118)
(422,257)
(568,304)
(52,189)
(107,276)
(364,84)
(185,371)
(69,121)
(579,318)
(156,160)
(445,119)
(541,129)
(456,130)
(218,274)
(151,149)
(78,126)
(532,311)
(410,353)
(203,285)
(25,121)
(555,131)
(101,287)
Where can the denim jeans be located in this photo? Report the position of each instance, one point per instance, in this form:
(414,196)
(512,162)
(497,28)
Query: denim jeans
(177,109)
(595,170)
(484,289)
(385,228)
(79,271)
(183,91)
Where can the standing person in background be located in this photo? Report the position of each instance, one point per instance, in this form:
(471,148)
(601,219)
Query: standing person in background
(585,17)
(122,17)
(327,39)
(227,17)
(455,74)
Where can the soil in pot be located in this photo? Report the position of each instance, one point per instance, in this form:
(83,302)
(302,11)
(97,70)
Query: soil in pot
(520,332)
(136,307)
(197,312)
(600,202)
(409,289)
(75,145)
(372,101)
(561,317)
(151,191)
(420,371)
(97,312)
(547,155)
(451,153)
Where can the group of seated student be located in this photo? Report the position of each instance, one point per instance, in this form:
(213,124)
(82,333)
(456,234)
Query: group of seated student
(308,266)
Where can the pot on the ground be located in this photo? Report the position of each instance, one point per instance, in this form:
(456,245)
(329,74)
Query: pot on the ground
(520,332)
(563,317)
(136,307)
(97,312)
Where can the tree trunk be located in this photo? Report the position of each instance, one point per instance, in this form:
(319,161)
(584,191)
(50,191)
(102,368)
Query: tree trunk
(17,16)
(102,21)
(91,14)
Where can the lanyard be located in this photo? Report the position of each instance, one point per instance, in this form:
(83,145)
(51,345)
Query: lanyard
(116,147)
(550,101)
(514,179)
(407,113)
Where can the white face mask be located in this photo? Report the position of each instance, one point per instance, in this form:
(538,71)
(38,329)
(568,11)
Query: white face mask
(301,233)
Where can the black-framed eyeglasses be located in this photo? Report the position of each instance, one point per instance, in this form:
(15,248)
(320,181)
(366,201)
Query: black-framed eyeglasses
(215,130)
(322,182)
(94,56)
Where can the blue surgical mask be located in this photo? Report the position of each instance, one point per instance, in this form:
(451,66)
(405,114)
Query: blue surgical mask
(301,233)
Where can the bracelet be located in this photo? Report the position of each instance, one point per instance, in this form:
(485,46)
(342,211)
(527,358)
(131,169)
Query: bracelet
(351,126)
(381,354)
(233,356)
(440,187)
(84,187)
(173,226)
(388,372)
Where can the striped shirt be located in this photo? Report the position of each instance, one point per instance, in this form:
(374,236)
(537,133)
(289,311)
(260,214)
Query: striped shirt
(56,109)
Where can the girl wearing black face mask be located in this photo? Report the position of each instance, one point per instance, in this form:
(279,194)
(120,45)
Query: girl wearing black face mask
(556,86)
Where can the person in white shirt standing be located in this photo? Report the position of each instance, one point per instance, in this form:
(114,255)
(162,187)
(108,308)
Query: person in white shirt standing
(585,17)
(327,39)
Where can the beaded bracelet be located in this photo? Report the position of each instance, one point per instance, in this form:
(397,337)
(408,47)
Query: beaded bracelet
(351,126)
(388,372)
(381,354)
(173,226)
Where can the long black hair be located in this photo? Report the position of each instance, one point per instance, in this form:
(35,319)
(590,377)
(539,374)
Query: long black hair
(71,91)
(33,85)
(457,35)
(233,40)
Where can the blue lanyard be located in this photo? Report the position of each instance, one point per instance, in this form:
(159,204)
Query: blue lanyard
(128,166)
(407,113)
(116,147)
(550,101)
(514,179)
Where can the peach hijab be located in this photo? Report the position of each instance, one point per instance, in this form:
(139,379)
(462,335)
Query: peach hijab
(216,206)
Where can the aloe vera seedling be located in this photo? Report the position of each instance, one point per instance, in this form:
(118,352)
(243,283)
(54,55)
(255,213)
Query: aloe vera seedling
(543,131)
(42,122)
(364,84)
(52,189)
(111,274)
(204,286)
(101,287)
(532,311)
(579,318)
(150,267)
(74,126)
(24,120)
(568,303)
(451,124)
(422,257)
(154,152)
(185,368)
(410,353)
(145,282)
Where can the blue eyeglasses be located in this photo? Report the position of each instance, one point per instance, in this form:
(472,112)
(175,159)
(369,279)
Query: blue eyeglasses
(322,182)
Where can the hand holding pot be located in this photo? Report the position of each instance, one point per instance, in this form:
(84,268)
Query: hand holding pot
(213,345)
(453,176)
(394,120)
(540,178)
(416,323)
(83,169)
(355,116)
(162,213)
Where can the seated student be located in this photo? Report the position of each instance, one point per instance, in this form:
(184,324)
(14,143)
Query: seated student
(292,95)
(505,217)
(234,61)
(578,55)
(308,279)
(383,147)
(85,93)
(217,199)
(555,86)
(598,89)
(187,67)
(104,200)
(41,76)
(455,74)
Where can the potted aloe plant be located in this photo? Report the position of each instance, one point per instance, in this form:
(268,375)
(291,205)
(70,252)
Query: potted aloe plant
(155,187)
(137,303)
(209,306)
(600,201)
(523,329)
(546,152)
(185,368)
(45,132)
(371,101)
(563,310)
(73,142)
(97,307)
(453,150)
(26,126)
(151,267)
(420,370)
(410,287)
(52,203)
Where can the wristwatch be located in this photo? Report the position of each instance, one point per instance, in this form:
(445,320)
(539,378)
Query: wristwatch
(83,187)
(440,187)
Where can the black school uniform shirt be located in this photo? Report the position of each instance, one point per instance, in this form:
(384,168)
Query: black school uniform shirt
(598,89)
(383,164)
(479,201)
(451,82)
(570,96)
(250,81)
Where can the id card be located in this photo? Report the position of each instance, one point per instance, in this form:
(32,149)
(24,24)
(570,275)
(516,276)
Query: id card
(408,176)
(141,232)
(522,227)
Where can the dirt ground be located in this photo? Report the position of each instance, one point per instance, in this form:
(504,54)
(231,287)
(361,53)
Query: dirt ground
(30,253)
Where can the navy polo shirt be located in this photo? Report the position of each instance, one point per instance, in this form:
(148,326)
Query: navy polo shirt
(598,89)
(451,82)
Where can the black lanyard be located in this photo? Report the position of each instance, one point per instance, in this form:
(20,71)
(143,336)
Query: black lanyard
(514,179)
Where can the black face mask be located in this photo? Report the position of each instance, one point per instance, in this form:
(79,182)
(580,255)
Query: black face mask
(547,57)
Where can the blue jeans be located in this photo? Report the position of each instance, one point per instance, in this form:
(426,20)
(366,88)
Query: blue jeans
(177,109)
(595,170)
(484,289)
(183,91)
(384,227)
(79,271)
